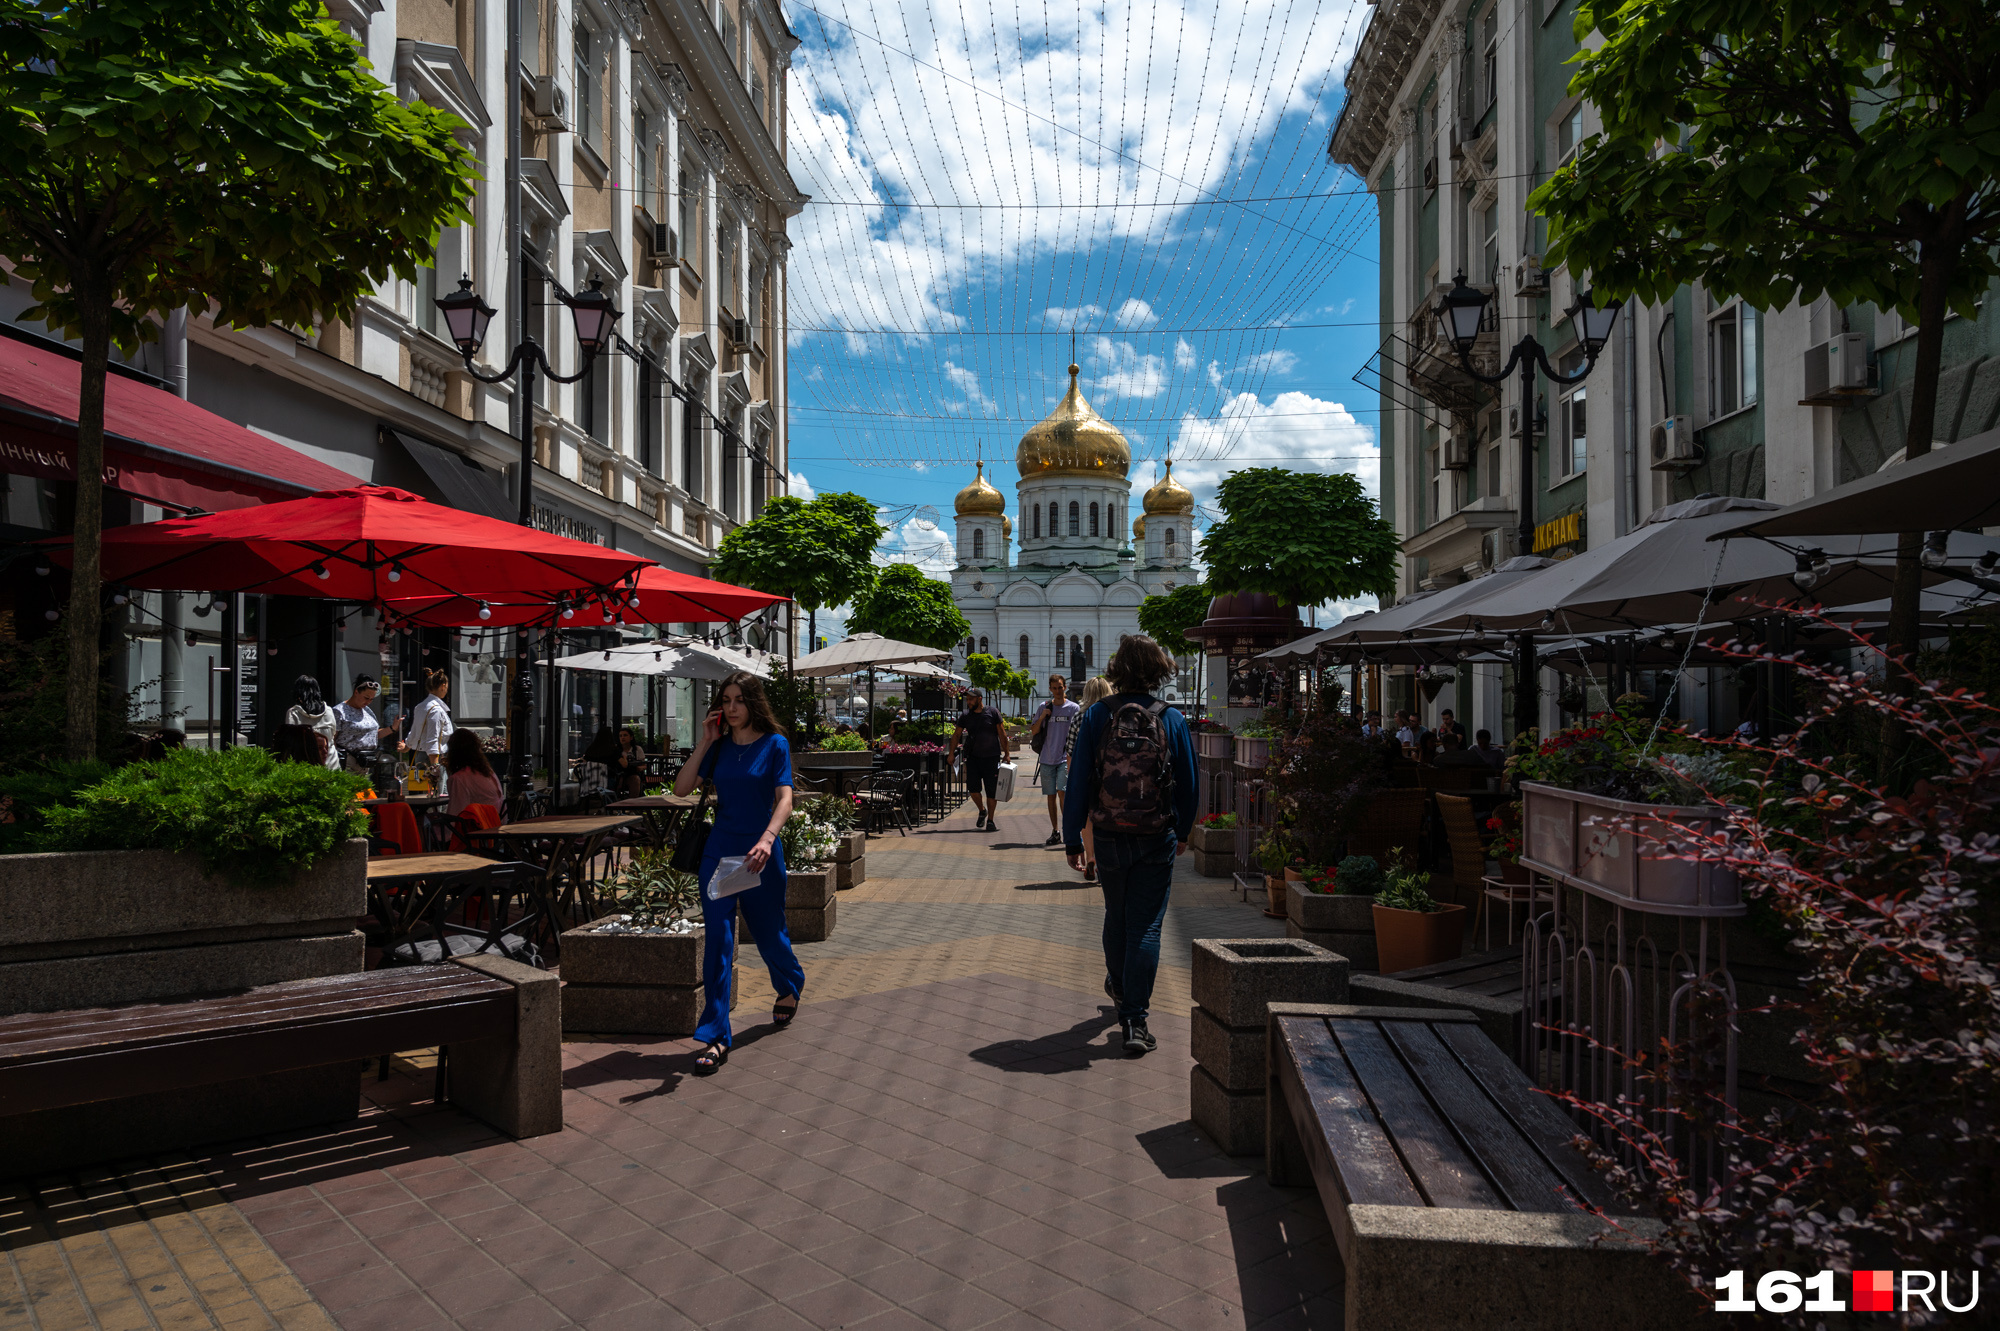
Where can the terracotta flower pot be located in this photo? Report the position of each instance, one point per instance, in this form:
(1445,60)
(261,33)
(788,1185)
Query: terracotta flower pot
(1512,871)
(1405,939)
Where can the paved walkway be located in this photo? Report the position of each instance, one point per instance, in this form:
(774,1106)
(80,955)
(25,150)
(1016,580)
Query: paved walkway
(948,1137)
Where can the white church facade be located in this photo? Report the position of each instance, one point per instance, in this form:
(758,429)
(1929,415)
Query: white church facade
(1060,599)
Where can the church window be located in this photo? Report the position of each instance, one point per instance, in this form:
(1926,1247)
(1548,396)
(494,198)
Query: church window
(978,543)
(1024,651)
(1170,540)
(1088,646)
(1038,521)
(1055,522)
(1093,519)
(1075,519)
(1075,658)
(983,647)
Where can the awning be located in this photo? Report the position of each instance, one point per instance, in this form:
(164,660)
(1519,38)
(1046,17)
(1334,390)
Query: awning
(157,447)
(461,482)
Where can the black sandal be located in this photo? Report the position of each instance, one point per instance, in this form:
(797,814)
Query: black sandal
(711,1058)
(782,1016)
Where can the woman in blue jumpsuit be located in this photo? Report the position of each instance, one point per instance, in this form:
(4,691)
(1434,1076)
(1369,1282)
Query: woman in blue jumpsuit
(743,751)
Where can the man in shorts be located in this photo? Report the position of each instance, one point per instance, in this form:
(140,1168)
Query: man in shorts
(1050,736)
(984,733)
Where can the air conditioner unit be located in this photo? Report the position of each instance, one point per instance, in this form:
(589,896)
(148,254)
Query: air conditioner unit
(1673,444)
(738,331)
(1530,280)
(1514,423)
(551,103)
(665,245)
(1498,546)
(1457,451)
(1836,369)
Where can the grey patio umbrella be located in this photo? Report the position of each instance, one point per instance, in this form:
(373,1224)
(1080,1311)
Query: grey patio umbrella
(1947,489)
(1668,571)
(859,651)
(1400,621)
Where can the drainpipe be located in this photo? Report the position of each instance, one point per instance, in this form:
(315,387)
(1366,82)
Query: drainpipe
(1632,421)
(173,671)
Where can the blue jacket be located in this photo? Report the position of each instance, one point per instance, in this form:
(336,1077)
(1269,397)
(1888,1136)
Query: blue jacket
(1083,770)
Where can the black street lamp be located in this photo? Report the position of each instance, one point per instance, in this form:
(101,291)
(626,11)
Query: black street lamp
(466,317)
(1461,313)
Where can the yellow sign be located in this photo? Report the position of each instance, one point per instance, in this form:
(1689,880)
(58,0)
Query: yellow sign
(1565,530)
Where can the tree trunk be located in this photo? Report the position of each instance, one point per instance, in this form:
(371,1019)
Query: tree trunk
(86,579)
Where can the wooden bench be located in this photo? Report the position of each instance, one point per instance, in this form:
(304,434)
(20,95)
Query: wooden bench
(1453,1192)
(1488,984)
(500,1022)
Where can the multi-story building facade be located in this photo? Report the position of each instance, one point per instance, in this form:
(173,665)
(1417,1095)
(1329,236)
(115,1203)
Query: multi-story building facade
(653,161)
(1455,112)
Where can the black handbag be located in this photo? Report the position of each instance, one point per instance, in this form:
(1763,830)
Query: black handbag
(693,840)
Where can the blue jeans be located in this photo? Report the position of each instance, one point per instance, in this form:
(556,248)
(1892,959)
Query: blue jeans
(1136,874)
(763,907)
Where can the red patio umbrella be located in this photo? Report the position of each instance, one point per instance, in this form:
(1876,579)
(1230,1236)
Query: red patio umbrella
(370,543)
(660,596)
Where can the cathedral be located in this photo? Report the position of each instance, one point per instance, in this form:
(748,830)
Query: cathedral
(1061,602)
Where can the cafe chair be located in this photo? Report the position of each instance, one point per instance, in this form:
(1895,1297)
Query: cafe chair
(499,885)
(396,830)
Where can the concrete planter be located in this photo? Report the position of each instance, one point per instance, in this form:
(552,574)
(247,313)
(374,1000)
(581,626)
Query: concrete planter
(1213,743)
(809,889)
(1340,924)
(851,846)
(1407,939)
(92,928)
(1235,982)
(644,984)
(811,926)
(1610,848)
(850,873)
(1253,753)
(1214,851)
(849,761)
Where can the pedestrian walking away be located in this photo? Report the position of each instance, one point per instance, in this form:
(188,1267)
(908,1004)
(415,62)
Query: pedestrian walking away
(743,751)
(984,733)
(1095,690)
(1049,736)
(1132,780)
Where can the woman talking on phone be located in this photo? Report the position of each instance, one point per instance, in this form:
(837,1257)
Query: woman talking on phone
(744,752)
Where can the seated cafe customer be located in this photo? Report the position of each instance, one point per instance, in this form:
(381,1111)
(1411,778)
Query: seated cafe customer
(472,779)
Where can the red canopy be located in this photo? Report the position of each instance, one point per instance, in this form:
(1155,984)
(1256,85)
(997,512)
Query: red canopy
(368,544)
(156,447)
(662,597)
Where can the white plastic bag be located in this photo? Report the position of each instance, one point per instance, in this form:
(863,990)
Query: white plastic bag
(730,877)
(1003,790)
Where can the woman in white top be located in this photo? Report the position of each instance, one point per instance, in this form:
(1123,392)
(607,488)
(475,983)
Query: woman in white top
(309,709)
(430,723)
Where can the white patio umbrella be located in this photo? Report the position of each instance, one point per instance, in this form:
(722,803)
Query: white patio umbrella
(860,651)
(923,670)
(687,660)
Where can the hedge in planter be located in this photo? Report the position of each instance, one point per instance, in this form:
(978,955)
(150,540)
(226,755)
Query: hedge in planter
(250,816)
(1322,775)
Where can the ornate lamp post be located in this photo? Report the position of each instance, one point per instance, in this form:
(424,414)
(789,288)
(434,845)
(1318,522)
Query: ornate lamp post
(466,317)
(1461,314)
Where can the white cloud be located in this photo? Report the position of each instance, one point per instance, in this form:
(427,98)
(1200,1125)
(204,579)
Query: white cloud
(1294,430)
(915,542)
(796,484)
(1275,361)
(1345,306)
(1059,316)
(967,382)
(1122,370)
(1215,374)
(1135,313)
(1184,357)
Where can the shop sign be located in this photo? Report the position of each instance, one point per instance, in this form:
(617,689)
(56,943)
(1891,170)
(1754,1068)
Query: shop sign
(562,524)
(1559,531)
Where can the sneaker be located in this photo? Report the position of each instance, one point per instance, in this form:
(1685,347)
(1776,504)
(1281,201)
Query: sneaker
(980,826)
(992,824)
(1139,1040)
(1055,839)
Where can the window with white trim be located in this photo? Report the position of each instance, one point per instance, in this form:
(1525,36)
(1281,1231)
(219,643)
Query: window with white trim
(1489,67)
(1572,417)
(1732,359)
(584,85)
(1569,134)
(978,544)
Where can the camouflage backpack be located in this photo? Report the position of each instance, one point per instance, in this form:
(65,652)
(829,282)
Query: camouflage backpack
(1135,773)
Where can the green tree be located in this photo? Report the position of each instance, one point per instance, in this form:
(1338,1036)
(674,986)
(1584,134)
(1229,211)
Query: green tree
(815,551)
(234,156)
(1787,151)
(906,605)
(1303,537)
(1020,686)
(1166,619)
(988,673)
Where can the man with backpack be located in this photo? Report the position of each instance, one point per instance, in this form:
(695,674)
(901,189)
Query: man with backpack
(1050,738)
(1132,775)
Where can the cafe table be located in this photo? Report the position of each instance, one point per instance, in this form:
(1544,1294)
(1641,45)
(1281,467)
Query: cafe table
(663,814)
(562,846)
(403,889)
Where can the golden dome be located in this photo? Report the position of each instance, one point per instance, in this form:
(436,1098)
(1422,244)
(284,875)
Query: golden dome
(1007,526)
(1169,496)
(1073,441)
(980,499)
(1139,528)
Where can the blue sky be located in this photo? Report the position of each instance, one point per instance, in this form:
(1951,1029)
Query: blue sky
(992,182)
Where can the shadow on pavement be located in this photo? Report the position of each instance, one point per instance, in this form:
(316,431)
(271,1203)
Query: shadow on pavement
(1072,1050)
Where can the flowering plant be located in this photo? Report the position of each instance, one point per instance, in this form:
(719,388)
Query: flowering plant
(913,748)
(1621,753)
(1505,845)
(808,842)
(1218,822)
(1209,725)
(842,744)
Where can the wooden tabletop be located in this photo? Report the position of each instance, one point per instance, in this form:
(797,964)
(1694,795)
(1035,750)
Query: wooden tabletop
(414,801)
(656,802)
(562,825)
(387,868)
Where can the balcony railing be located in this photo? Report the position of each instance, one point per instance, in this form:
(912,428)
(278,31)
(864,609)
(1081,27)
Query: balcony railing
(1417,369)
